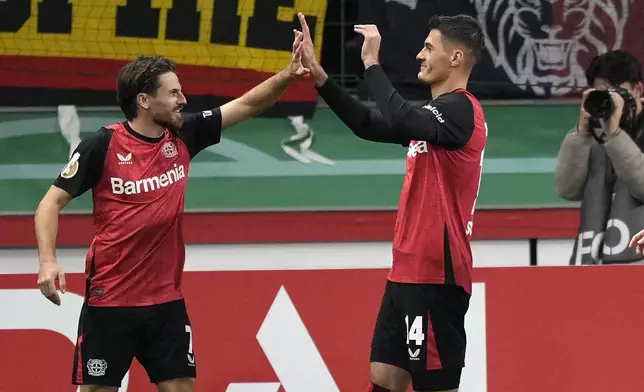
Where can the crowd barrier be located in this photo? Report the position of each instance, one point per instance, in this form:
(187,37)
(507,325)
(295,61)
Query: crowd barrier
(299,317)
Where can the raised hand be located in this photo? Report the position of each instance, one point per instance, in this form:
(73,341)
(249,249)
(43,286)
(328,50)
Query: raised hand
(296,67)
(308,54)
(308,50)
(371,45)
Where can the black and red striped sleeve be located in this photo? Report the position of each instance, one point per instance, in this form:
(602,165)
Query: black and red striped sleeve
(85,167)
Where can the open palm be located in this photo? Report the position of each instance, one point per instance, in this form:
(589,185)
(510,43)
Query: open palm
(297,68)
(308,50)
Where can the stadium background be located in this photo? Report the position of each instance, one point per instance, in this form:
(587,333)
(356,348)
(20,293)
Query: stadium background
(291,203)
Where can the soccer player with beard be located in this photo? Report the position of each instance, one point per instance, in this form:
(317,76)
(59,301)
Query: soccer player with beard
(137,170)
(419,334)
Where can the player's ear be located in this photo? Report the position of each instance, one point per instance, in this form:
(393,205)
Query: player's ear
(457,58)
(143,100)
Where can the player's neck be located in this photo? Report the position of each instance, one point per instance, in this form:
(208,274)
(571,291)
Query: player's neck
(448,85)
(146,128)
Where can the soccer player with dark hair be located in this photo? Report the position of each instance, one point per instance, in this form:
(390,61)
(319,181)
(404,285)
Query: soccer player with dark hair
(137,171)
(419,334)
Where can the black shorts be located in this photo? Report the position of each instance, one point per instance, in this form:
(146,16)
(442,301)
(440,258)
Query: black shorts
(421,328)
(158,336)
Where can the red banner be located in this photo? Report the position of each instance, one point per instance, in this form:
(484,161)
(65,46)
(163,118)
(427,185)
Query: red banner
(306,226)
(565,329)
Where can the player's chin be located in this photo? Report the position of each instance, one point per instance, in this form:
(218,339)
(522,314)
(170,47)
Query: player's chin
(177,120)
(424,77)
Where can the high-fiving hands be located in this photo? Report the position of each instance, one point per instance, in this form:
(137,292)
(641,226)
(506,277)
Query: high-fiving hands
(308,54)
(297,68)
(370,47)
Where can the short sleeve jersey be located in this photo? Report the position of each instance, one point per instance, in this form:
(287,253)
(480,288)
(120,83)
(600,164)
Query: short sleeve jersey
(138,187)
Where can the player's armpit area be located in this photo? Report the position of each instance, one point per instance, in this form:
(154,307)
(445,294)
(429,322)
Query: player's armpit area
(364,122)
(447,121)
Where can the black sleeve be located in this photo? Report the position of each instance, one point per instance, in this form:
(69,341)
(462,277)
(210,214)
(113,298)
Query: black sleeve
(201,130)
(447,121)
(364,122)
(85,167)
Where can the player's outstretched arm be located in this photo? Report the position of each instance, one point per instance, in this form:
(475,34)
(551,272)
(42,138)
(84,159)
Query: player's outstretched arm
(364,122)
(46,221)
(449,122)
(264,95)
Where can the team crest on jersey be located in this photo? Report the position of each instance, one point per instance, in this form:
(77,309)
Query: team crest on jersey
(170,150)
(71,168)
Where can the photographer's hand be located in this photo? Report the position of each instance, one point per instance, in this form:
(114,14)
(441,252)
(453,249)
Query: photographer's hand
(612,126)
(584,118)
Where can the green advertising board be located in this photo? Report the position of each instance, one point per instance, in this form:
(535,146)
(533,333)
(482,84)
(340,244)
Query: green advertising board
(250,170)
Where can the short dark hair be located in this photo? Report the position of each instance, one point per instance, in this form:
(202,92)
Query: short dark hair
(140,76)
(617,67)
(462,29)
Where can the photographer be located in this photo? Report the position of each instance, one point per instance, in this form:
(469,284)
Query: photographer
(601,162)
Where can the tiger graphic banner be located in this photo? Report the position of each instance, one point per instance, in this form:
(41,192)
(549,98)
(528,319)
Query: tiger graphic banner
(534,48)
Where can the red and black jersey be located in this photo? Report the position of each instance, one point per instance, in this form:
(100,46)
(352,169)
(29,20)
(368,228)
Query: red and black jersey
(436,208)
(445,140)
(138,186)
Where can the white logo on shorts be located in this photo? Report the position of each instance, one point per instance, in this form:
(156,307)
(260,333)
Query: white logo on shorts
(96,367)
(414,334)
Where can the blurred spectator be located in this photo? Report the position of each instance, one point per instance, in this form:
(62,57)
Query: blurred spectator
(601,163)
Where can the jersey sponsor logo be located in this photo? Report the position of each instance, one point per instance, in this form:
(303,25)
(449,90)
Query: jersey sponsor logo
(96,367)
(71,168)
(416,148)
(124,160)
(170,150)
(206,113)
(151,184)
(435,112)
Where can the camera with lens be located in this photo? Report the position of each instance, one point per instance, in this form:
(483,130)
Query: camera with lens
(600,106)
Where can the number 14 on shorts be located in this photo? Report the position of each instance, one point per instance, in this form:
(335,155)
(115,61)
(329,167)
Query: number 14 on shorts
(414,334)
